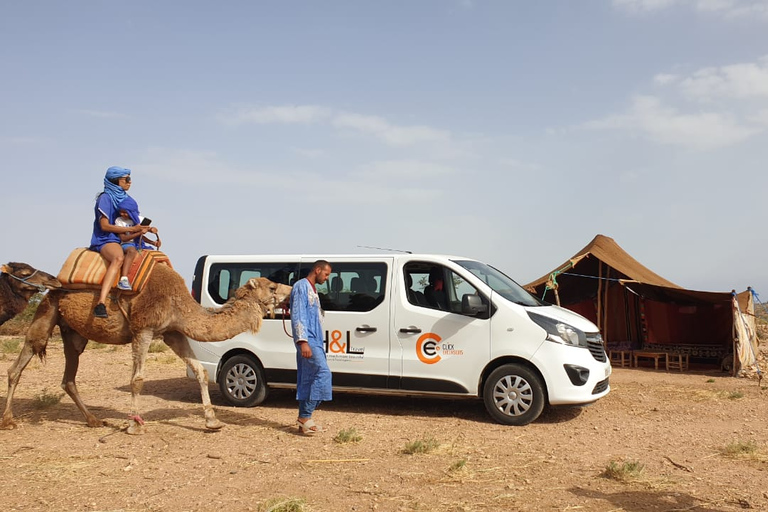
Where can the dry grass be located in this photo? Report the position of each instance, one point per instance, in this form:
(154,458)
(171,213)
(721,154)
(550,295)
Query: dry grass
(46,399)
(421,446)
(284,505)
(626,471)
(742,450)
(11,346)
(348,435)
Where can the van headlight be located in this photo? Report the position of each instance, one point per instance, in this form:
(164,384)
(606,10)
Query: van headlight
(560,332)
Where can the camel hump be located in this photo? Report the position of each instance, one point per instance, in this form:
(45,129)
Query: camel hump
(85,269)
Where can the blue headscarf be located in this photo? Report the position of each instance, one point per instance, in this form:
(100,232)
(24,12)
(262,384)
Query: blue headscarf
(129,205)
(116,192)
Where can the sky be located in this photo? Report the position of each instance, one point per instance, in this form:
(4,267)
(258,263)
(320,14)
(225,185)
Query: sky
(511,132)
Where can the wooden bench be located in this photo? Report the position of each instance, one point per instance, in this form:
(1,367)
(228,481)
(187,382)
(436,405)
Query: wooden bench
(620,358)
(677,361)
(636,354)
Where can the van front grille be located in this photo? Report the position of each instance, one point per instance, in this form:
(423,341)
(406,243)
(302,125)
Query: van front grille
(595,346)
(600,387)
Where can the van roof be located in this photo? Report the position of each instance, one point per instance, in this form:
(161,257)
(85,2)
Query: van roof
(330,257)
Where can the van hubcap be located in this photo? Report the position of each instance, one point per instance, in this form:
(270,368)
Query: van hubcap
(512,395)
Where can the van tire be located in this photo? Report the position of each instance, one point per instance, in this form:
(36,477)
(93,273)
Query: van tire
(514,395)
(241,381)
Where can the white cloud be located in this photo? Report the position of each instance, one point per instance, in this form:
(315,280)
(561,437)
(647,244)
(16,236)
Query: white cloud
(664,79)
(19,141)
(207,167)
(665,125)
(391,134)
(760,117)
(410,170)
(745,80)
(312,154)
(724,8)
(644,5)
(519,165)
(102,114)
(291,114)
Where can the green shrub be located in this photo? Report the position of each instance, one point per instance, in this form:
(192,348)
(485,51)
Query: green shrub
(157,347)
(284,505)
(740,448)
(421,446)
(11,346)
(624,472)
(46,399)
(348,435)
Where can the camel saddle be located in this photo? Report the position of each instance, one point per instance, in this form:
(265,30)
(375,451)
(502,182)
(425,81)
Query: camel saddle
(85,269)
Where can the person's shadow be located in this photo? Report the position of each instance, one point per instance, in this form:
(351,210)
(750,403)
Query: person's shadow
(641,501)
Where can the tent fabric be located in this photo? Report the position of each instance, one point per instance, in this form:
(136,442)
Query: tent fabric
(633,306)
(605,249)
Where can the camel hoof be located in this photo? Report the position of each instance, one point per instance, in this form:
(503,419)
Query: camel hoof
(95,422)
(213,424)
(8,425)
(135,429)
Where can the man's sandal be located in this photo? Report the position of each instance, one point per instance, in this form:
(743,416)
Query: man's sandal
(309,427)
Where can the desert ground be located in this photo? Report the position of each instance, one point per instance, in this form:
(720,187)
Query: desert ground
(694,441)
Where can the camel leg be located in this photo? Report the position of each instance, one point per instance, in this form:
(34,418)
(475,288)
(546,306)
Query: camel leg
(180,346)
(74,344)
(139,349)
(35,342)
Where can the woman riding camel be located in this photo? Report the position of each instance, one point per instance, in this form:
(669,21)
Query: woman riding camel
(106,234)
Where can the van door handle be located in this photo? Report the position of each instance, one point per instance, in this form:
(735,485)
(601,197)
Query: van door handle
(366,329)
(410,330)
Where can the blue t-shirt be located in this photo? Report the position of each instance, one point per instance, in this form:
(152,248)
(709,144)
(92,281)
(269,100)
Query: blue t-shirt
(103,208)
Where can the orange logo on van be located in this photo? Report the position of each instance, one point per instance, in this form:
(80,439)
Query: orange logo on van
(428,348)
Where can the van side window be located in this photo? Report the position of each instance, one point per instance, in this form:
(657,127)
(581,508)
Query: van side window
(225,278)
(434,286)
(354,287)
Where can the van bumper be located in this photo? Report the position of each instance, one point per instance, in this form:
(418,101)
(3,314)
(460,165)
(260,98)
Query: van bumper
(572,374)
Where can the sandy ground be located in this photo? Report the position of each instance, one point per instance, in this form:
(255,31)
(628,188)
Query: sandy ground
(678,428)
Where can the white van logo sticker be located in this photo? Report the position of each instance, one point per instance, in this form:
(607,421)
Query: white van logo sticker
(430,350)
(341,351)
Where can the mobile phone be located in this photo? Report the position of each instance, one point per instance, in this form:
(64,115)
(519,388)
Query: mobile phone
(146,221)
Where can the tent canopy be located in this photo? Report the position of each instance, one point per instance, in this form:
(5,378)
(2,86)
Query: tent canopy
(635,307)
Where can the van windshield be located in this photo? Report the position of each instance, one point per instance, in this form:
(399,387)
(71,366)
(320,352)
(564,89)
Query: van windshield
(500,283)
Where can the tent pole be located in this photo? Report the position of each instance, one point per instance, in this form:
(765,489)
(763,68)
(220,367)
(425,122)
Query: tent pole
(607,287)
(600,295)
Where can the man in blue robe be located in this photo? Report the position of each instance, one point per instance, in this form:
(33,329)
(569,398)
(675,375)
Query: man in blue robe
(313,377)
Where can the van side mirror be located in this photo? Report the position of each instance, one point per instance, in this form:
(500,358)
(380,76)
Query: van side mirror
(472,305)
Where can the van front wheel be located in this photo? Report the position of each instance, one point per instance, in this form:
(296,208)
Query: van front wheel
(241,381)
(513,395)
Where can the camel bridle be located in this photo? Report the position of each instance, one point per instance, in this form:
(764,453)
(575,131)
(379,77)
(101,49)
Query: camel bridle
(40,288)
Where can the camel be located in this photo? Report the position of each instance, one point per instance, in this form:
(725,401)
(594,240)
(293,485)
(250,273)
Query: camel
(164,307)
(18,283)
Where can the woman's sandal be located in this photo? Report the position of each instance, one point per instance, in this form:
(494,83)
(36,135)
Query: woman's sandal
(309,427)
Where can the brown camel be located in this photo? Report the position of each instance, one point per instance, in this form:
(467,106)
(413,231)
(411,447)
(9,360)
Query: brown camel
(164,307)
(18,283)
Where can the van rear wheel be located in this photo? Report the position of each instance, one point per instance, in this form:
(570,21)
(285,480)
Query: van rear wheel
(241,381)
(514,395)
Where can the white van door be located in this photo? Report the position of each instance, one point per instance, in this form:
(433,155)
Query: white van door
(355,299)
(442,350)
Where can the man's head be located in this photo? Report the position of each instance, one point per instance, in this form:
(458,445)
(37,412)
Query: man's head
(320,272)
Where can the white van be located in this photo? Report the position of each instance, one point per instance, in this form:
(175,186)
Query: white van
(411,324)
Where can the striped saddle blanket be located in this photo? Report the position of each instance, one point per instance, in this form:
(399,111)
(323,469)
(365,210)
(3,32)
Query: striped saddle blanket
(86,269)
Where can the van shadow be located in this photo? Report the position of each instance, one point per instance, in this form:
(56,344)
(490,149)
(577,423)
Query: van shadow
(637,501)
(185,390)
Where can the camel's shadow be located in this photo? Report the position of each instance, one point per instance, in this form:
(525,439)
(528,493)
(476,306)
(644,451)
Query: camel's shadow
(185,390)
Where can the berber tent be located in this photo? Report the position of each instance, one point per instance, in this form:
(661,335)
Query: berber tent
(638,309)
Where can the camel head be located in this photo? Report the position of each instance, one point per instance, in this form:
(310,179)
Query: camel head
(265,292)
(26,281)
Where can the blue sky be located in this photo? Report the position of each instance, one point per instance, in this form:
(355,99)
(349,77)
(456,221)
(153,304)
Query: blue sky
(508,131)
